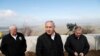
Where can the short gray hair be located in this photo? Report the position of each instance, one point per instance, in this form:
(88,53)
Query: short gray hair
(78,27)
(12,26)
(51,22)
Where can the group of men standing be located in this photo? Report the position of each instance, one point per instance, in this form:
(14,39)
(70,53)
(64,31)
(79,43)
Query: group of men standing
(48,44)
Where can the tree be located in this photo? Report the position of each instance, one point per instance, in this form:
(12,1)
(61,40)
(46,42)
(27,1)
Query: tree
(27,30)
(70,26)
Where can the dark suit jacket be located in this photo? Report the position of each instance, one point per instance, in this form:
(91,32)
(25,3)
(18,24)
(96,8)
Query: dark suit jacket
(48,47)
(76,45)
(12,47)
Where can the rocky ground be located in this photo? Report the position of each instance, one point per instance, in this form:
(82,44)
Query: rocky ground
(91,53)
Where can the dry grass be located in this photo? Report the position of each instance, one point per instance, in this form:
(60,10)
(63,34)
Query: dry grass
(91,53)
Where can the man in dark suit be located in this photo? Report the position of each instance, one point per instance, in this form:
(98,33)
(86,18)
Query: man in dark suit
(49,43)
(14,43)
(77,44)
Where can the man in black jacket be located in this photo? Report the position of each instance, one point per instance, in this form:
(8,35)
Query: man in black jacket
(14,43)
(49,43)
(77,44)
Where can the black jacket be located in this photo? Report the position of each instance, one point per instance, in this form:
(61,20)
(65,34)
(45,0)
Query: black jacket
(79,45)
(48,47)
(12,47)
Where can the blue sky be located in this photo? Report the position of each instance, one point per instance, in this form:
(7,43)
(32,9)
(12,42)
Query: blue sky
(61,11)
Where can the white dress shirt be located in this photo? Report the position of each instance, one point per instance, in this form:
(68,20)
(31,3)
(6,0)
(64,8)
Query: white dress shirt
(14,37)
(53,36)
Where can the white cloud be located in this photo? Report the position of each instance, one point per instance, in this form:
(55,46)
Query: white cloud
(7,13)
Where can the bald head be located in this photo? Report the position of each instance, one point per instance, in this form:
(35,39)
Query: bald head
(49,27)
(13,30)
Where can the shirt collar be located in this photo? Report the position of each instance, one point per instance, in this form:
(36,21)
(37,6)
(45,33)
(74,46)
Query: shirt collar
(77,37)
(53,36)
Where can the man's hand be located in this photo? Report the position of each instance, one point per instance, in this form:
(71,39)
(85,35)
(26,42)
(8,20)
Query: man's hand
(81,54)
(75,53)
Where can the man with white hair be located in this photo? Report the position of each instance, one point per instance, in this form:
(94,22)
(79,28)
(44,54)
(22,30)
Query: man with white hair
(14,43)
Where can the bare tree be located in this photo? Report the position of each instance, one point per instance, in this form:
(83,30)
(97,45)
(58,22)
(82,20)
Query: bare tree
(26,30)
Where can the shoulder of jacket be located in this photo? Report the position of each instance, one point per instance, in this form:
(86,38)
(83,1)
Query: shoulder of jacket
(6,36)
(70,36)
(41,36)
(19,33)
(57,34)
(84,36)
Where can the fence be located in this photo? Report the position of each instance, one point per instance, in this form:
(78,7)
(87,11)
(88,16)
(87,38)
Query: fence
(93,39)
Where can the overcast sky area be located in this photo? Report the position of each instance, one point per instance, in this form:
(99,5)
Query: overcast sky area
(36,12)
